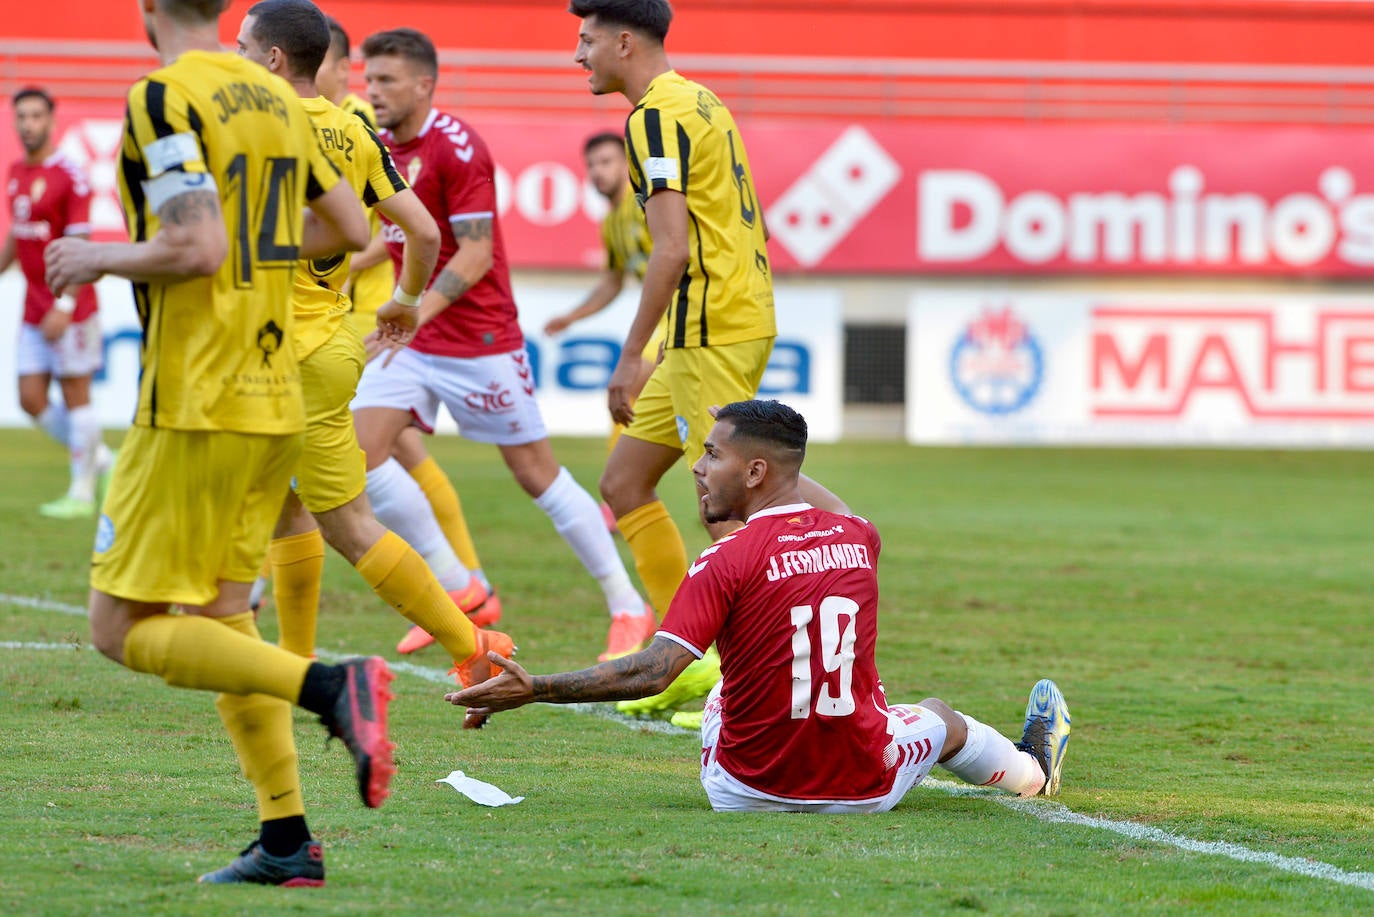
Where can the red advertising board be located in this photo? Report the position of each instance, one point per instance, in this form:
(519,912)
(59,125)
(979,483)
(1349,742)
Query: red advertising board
(949,198)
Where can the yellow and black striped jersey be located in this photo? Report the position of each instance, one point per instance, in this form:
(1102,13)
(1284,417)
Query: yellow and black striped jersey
(318,297)
(217,351)
(682,138)
(371,287)
(626,237)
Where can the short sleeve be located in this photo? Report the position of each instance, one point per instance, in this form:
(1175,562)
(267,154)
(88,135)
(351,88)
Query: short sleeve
(702,601)
(164,135)
(470,192)
(78,203)
(659,150)
(614,261)
(321,173)
(383,181)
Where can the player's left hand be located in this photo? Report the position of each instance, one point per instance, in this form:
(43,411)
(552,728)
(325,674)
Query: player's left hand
(622,388)
(71,262)
(398,323)
(514,687)
(376,344)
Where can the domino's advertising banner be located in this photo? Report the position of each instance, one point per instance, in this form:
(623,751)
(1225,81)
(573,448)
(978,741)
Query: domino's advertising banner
(1215,370)
(871,197)
(570,371)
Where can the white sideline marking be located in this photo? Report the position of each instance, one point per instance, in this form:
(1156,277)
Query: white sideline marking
(1058,813)
(1043,809)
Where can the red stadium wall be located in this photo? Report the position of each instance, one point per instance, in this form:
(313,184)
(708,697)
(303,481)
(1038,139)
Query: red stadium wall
(1185,31)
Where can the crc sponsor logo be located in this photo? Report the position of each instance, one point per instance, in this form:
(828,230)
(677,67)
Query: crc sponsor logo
(965,216)
(1266,363)
(494,400)
(996,365)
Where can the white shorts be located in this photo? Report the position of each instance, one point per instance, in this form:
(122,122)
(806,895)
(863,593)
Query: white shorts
(492,398)
(917,734)
(78,352)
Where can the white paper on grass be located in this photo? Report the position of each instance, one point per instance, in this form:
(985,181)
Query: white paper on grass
(478,791)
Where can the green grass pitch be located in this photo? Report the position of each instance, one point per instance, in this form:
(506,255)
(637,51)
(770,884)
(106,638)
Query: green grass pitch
(1208,615)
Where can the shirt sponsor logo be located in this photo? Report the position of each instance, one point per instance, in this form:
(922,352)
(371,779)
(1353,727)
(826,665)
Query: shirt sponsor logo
(659,167)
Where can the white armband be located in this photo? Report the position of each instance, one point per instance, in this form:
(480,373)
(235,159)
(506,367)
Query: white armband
(404,298)
(168,185)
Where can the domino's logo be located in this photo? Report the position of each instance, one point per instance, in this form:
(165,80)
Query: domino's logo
(833,196)
(997,365)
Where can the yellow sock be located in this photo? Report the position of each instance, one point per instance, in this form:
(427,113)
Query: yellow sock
(405,582)
(190,651)
(448,509)
(297,566)
(660,556)
(260,727)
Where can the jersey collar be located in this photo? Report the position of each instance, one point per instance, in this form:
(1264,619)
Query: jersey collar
(429,122)
(666,76)
(780,511)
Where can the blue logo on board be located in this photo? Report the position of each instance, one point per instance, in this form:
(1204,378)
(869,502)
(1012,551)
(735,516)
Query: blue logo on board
(997,365)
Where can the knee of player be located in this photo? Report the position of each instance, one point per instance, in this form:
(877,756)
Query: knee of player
(33,405)
(956,730)
(108,638)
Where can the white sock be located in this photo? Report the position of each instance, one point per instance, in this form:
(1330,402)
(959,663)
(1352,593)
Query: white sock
(400,505)
(83,439)
(989,758)
(481,577)
(577,518)
(53,421)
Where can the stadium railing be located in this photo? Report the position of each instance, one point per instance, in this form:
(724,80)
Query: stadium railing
(838,88)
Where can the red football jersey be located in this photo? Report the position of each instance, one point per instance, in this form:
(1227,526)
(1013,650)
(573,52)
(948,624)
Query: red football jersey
(451,170)
(47,201)
(791,601)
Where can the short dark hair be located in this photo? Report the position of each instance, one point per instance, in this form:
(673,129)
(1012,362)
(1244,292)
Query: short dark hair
(33,92)
(338,38)
(193,10)
(652,17)
(408,43)
(769,422)
(596,140)
(298,28)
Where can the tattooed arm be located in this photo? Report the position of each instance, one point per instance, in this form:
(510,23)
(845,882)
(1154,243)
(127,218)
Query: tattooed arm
(640,674)
(468,265)
(191,242)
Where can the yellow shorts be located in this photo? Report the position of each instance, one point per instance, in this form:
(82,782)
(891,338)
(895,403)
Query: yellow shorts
(332,469)
(187,509)
(362,321)
(674,408)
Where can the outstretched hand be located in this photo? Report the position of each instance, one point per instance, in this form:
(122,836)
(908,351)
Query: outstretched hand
(514,687)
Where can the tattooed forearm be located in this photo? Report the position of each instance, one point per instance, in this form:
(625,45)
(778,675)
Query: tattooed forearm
(637,675)
(476,229)
(190,208)
(450,284)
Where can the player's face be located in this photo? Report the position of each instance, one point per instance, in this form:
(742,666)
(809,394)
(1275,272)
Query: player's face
(599,53)
(249,46)
(332,77)
(33,123)
(721,473)
(606,168)
(395,87)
